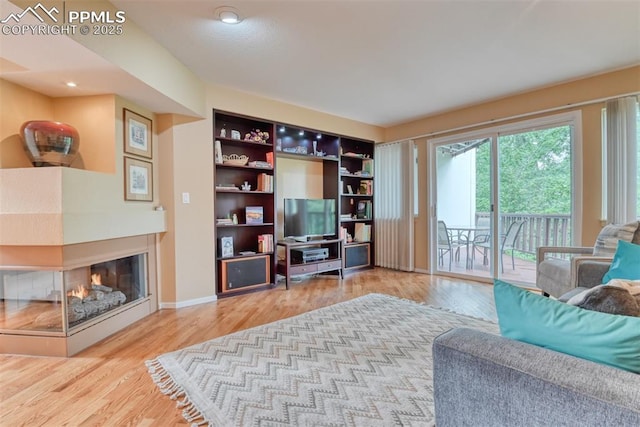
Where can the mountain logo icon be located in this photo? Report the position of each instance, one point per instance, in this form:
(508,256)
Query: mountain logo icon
(38,11)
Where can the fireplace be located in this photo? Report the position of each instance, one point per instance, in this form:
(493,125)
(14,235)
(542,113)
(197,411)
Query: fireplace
(97,289)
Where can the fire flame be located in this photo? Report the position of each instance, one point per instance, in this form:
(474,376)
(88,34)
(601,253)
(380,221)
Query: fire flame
(79,292)
(82,291)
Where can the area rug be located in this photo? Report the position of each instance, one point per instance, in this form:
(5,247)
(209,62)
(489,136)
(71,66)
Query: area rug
(362,362)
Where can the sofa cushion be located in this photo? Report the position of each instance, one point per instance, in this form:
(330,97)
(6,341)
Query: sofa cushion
(607,240)
(607,299)
(625,264)
(600,337)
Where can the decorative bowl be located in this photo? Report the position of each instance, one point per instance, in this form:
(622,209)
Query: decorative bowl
(235,159)
(49,143)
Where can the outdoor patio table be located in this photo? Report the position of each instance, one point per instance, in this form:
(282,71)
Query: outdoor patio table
(464,236)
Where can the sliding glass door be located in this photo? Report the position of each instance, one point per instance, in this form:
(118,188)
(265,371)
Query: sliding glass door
(463,221)
(500,194)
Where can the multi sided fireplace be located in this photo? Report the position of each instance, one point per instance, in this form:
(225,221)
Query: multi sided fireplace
(61,301)
(100,288)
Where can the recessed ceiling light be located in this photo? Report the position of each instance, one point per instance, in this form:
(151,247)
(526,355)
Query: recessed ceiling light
(228,15)
(71,84)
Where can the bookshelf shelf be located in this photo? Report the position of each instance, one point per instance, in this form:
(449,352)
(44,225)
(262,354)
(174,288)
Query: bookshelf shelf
(232,201)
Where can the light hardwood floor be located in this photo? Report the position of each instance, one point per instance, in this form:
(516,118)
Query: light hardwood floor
(108,384)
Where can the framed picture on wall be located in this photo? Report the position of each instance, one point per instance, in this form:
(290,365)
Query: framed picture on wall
(138,180)
(137,134)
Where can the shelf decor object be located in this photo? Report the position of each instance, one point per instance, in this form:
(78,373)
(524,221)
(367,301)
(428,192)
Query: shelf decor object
(257,136)
(226,247)
(137,134)
(138,180)
(50,143)
(235,159)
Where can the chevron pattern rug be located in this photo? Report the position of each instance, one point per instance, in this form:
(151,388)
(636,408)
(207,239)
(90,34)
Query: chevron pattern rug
(364,362)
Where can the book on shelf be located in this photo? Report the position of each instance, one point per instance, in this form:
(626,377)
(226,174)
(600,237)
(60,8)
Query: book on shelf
(265,243)
(227,187)
(265,182)
(364,209)
(343,234)
(367,167)
(366,187)
(270,158)
(260,164)
(254,214)
(362,232)
(224,221)
(345,217)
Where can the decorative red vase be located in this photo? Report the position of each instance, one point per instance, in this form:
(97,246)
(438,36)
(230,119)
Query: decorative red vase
(50,143)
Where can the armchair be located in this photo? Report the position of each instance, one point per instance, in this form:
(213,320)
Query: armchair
(556,277)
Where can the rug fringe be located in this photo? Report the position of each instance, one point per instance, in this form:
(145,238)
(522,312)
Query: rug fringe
(169,387)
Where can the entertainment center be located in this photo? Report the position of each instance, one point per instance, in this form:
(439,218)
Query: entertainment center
(311,257)
(339,222)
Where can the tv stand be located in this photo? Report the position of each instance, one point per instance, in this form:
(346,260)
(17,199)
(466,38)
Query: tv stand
(293,266)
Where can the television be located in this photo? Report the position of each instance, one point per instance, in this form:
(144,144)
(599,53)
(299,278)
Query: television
(305,218)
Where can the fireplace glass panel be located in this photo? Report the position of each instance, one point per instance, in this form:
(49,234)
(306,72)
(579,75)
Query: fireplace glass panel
(38,301)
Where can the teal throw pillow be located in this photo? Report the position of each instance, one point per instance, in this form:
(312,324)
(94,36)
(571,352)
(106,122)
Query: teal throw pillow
(600,337)
(625,264)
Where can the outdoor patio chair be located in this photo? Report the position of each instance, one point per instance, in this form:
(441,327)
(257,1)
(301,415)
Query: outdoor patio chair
(507,243)
(446,244)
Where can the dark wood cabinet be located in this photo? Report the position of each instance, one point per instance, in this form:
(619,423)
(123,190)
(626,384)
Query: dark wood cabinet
(327,261)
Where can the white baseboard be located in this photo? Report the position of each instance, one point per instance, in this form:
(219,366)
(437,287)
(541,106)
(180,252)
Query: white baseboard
(189,303)
(421,270)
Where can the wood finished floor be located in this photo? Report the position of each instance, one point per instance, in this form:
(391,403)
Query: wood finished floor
(108,384)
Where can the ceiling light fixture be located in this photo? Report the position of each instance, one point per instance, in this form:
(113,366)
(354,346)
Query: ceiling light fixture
(228,15)
(71,84)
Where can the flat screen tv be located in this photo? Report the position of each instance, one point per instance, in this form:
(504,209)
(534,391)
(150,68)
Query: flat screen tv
(304,218)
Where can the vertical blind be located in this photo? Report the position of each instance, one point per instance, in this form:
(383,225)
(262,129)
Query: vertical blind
(393,204)
(622,162)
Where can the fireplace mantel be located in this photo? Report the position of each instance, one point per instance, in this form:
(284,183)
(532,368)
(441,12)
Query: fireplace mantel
(57,206)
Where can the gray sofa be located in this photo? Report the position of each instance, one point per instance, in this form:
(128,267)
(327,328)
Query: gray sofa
(487,380)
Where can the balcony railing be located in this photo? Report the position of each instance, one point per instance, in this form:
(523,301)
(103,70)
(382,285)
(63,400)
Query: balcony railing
(538,230)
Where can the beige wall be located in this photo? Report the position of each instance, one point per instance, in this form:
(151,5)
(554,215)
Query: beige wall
(61,206)
(186,158)
(18,106)
(555,99)
(92,116)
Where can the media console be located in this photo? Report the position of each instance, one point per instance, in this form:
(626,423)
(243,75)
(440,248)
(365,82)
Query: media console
(314,256)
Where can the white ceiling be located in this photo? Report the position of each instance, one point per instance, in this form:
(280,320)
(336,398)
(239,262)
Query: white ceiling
(385,62)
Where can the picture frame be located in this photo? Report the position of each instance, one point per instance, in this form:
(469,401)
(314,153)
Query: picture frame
(138,180)
(254,215)
(137,134)
(226,247)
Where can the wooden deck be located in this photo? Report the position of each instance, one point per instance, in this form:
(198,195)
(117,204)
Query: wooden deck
(524,272)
